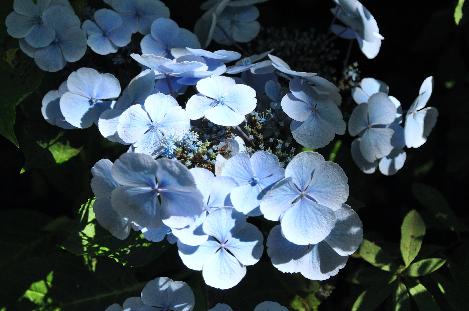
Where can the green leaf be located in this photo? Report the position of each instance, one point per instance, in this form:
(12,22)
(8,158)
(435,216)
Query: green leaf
(453,294)
(458,13)
(423,298)
(373,254)
(438,207)
(425,266)
(63,152)
(38,290)
(401,298)
(335,150)
(308,303)
(371,299)
(17,84)
(412,233)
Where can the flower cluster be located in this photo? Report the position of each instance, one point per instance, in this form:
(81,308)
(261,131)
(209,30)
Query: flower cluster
(212,137)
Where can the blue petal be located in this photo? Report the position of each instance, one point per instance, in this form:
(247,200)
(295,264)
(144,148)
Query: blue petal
(26,7)
(222,270)
(107,19)
(220,222)
(102,182)
(418,126)
(270,306)
(136,170)
(224,116)
(181,208)
(51,110)
(40,36)
(89,83)
(101,45)
(329,185)
(77,110)
(301,168)
(368,86)
(381,110)
(193,234)
(215,87)
(73,44)
(195,257)
(109,219)
(364,165)
(296,109)
(167,294)
(239,168)
(321,262)
(375,143)
(358,119)
(221,307)
(347,234)
(50,58)
(278,199)
(246,244)
(392,163)
(164,30)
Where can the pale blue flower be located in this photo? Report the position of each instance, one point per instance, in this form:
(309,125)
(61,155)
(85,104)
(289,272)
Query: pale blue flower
(221,101)
(136,92)
(103,184)
(107,33)
(322,260)
(165,35)
(51,107)
(165,294)
(216,194)
(224,56)
(360,25)
(89,93)
(371,121)
(306,199)
(419,121)
(232,245)
(283,67)
(138,15)
(145,127)
(254,175)
(270,306)
(316,118)
(28,21)
(367,87)
(152,192)
(237,24)
(221,307)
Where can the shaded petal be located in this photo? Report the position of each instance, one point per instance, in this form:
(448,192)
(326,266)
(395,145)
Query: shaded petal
(102,182)
(50,58)
(270,306)
(278,199)
(329,185)
(138,204)
(375,143)
(313,133)
(246,244)
(418,126)
(73,44)
(347,234)
(222,270)
(164,30)
(364,165)
(181,208)
(301,168)
(101,45)
(392,163)
(77,110)
(285,255)
(266,168)
(246,32)
(150,46)
(107,125)
(107,19)
(168,294)
(195,257)
(137,170)
(109,219)
(133,124)
(219,223)
(322,262)
(307,222)
(381,110)
(296,109)
(358,119)
(40,36)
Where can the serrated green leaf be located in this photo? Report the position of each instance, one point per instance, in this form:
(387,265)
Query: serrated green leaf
(412,233)
(371,299)
(458,13)
(401,298)
(374,254)
(423,298)
(438,207)
(425,266)
(37,292)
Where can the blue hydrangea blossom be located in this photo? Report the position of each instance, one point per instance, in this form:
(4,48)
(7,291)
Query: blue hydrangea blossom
(138,15)
(232,245)
(316,118)
(221,101)
(155,192)
(89,94)
(107,33)
(367,87)
(419,121)
(322,260)
(145,127)
(254,175)
(270,306)
(306,199)
(237,24)
(51,107)
(165,34)
(360,25)
(371,121)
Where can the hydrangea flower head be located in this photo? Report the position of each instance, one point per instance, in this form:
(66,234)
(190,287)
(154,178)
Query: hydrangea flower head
(316,119)
(165,34)
(419,121)
(270,306)
(361,25)
(51,107)
(145,127)
(107,33)
(371,122)
(165,294)
(306,199)
(322,260)
(232,245)
(237,24)
(221,101)
(27,21)
(138,15)
(253,175)
(152,192)
(88,96)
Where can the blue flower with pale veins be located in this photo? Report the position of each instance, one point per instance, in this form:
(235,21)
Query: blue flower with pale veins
(221,101)
(89,94)
(51,107)
(138,15)
(107,33)
(216,194)
(232,245)
(152,192)
(165,34)
(322,260)
(270,306)
(360,25)
(27,21)
(254,175)
(165,294)
(237,24)
(145,127)
(68,44)
(419,121)
(136,92)
(306,199)
(103,184)
(371,121)
(316,118)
